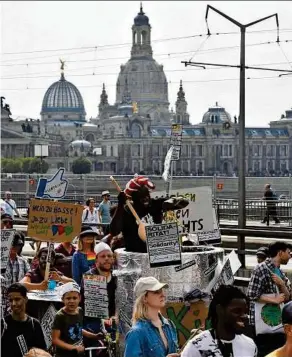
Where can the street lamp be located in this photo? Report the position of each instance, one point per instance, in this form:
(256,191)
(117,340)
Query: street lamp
(41,151)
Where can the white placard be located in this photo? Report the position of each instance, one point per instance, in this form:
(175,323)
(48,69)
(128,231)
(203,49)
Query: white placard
(197,216)
(7,236)
(95,296)
(47,324)
(163,245)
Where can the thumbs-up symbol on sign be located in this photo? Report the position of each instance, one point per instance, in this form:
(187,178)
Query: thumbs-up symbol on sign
(54,188)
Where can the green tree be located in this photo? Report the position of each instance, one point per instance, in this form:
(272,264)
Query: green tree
(38,166)
(11,166)
(81,166)
(26,164)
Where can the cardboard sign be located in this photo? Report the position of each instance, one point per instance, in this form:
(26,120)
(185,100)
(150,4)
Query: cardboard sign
(95,296)
(197,216)
(54,221)
(209,238)
(7,236)
(163,245)
(47,324)
(54,188)
(175,141)
(186,318)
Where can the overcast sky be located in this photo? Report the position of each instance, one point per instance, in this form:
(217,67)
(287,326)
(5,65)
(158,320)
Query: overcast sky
(46,25)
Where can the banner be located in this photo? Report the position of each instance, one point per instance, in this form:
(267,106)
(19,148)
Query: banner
(7,236)
(175,141)
(47,324)
(167,164)
(197,217)
(54,221)
(163,245)
(95,296)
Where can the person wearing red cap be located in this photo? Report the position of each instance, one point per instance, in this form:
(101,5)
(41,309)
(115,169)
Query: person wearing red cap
(149,210)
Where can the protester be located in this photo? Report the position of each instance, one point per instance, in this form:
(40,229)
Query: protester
(67,330)
(84,258)
(150,211)
(228,315)
(35,278)
(262,254)
(286,350)
(17,266)
(20,332)
(10,207)
(103,266)
(6,221)
(68,250)
(151,333)
(270,198)
(270,285)
(104,211)
(90,214)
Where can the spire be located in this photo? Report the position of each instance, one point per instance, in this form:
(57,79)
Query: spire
(103,96)
(181,93)
(126,95)
(62,68)
(141,32)
(141,9)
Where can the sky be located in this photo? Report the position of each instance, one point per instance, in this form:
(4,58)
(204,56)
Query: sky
(94,38)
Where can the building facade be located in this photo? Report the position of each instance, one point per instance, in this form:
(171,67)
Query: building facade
(133,134)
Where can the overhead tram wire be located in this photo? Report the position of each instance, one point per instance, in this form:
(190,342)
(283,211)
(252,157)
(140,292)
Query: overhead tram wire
(215,49)
(169,82)
(129,43)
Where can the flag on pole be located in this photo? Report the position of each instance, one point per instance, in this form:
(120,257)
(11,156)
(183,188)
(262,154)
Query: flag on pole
(167,163)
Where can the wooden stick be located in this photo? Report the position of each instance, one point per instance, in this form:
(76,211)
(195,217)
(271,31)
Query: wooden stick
(49,259)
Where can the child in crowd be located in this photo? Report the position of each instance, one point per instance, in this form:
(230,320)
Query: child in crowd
(67,330)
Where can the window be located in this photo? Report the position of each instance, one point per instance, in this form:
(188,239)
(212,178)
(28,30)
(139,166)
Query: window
(136,131)
(200,150)
(136,150)
(283,150)
(230,150)
(225,152)
(112,151)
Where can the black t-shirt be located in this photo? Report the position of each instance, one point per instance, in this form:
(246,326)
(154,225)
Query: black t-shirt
(133,243)
(70,327)
(18,337)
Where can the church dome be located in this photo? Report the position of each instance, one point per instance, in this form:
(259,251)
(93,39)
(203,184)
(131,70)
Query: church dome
(216,115)
(141,19)
(63,96)
(77,144)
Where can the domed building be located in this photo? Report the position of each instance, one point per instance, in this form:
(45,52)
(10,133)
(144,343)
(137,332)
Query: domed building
(216,115)
(145,78)
(63,102)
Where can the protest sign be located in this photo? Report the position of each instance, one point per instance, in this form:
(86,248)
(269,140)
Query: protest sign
(175,141)
(47,323)
(95,296)
(197,216)
(210,238)
(163,244)
(186,317)
(54,188)
(54,221)
(7,236)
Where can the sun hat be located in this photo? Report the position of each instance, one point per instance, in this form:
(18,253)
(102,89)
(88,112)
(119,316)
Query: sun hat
(148,283)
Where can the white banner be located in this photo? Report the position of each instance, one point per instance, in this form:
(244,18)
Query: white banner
(7,236)
(167,163)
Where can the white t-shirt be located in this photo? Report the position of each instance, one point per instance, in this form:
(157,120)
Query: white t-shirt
(9,208)
(204,345)
(88,217)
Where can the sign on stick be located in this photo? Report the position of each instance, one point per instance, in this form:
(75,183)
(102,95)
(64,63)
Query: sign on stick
(54,188)
(7,236)
(95,296)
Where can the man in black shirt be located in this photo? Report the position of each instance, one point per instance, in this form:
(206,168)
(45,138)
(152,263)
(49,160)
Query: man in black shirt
(271,199)
(20,332)
(149,210)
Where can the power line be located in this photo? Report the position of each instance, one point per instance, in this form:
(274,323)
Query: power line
(129,43)
(216,49)
(169,82)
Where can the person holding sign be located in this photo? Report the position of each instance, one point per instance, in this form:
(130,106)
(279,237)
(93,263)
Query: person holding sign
(20,332)
(268,289)
(151,333)
(67,330)
(35,278)
(148,209)
(84,258)
(103,267)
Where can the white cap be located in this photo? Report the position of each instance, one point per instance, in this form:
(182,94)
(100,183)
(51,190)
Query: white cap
(68,288)
(148,283)
(105,193)
(101,246)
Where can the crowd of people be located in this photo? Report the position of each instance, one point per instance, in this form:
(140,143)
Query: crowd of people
(233,328)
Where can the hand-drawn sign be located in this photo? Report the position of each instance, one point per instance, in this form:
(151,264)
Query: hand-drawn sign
(7,236)
(47,323)
(186,318)
(163,244)
(54,221)
(54,188)
(95,296)
(175,141)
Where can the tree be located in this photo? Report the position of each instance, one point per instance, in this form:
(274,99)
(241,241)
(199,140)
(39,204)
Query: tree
(81,166)
(11,166)
(38,166)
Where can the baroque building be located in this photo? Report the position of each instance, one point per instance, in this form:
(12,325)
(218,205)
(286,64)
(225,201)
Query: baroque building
(133,134)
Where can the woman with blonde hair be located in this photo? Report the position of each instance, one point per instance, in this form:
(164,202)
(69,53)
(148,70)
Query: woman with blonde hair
(84,258)
(151,333)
